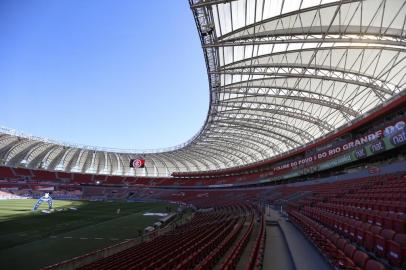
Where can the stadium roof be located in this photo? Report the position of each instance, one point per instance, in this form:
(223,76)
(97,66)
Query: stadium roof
(281,74)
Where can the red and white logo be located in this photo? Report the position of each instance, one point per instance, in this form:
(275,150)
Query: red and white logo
(138,163)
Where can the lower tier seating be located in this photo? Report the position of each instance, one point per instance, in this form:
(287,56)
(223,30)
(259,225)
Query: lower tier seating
(358,225)
(199,244)
(341,253)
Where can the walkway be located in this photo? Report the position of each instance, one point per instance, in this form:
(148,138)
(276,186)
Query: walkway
(287,248)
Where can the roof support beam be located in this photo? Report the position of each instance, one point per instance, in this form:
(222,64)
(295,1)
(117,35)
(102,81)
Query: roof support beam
(208,3)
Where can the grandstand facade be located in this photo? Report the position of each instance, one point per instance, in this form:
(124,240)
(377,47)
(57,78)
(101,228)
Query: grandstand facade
(282,75)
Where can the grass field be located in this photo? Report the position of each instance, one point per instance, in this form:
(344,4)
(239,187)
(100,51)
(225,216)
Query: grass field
(32,240)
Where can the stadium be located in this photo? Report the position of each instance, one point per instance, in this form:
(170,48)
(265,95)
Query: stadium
(299,164)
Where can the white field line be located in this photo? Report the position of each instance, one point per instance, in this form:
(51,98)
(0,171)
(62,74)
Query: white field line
(87,238)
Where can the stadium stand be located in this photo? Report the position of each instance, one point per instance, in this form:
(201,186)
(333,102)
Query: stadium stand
(198,244)
(307,120)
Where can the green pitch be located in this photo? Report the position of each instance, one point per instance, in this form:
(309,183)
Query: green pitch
(33,240)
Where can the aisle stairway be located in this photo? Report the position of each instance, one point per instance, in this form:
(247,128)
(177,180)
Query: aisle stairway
(287,248)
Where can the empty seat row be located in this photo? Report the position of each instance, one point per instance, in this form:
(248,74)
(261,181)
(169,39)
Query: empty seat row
(340,253)
(386,219)
(256,256)
(385,243)
(232,259)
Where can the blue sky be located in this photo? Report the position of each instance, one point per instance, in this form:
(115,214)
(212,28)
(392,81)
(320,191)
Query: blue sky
(124,74)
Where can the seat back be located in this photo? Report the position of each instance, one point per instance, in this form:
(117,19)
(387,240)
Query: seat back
(395,246)
(341,243)
(334,238)
(365,226)
(349,250)
(374,265)
(388,234)
(375,229)
(400,238)
(360,258)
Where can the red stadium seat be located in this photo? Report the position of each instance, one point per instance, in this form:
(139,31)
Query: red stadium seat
(396,251)
(381,241)
(63,175)
(349,250)
(399,225)
(369,242)
(6,172)
(82,178)
(374,265)
(22,172)
(341,244)
(360,232)
(360,258)
(352,230)
(44,175)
